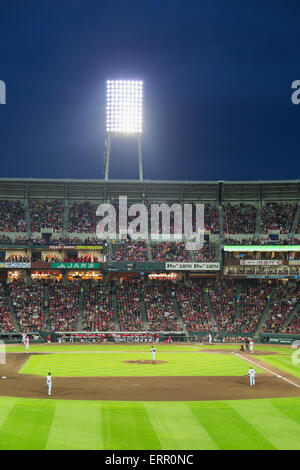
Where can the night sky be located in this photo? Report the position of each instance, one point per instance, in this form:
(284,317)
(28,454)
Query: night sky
(217,87)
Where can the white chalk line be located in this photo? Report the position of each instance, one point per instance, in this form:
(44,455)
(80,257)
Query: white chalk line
(271,372)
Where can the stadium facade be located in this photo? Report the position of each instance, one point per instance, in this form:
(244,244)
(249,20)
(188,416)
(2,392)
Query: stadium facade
(252,248)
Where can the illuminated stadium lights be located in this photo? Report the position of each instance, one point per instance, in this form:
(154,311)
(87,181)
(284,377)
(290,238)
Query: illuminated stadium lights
(124,106)
(124,115)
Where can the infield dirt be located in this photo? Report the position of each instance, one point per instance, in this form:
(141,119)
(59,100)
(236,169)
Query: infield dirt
(142,388)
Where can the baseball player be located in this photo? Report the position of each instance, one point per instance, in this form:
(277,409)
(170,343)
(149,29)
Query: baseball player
(251,346)
(251,373)
(153,351)
(27,343)
(49,383)
(209,338)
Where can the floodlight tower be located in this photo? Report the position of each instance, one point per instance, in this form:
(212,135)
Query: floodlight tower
(124,116)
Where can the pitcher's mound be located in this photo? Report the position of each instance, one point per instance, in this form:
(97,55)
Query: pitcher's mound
(145,361)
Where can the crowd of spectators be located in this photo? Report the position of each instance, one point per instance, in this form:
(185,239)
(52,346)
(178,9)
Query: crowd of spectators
(51,259)
(293,327)
(161,315)
(6,321)
(28,303)
(16,258)
(129,251)
(253,300)
(207,252)
(5,240)
(262,241)
(170,251)
(88,258)
(82,217)
(192,304)
(237,308)
(98,306)
(30,241)
(129,307)
(239,218)
(46,214)
(63,305)
(277,216)
(282,304)
(211,218)
(224,303)
(73,241)
(12,216)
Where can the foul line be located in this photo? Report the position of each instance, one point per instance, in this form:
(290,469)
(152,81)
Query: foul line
(274,373)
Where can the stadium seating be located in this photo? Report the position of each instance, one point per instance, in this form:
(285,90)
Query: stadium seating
(63,306)
(129,307)
(129,251)
(82,217)
(28,302)
(12,216)
(193,306)
(46,215)
(239,218)
(98,307)
(170,251)
(277,216)
(6,321)
(282,305)
(161,315)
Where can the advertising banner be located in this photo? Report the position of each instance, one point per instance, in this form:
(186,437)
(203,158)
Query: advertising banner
(192,266)
(261,262)
(75,265)
(15,265)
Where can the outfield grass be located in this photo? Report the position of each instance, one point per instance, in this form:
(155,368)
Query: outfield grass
(60,424)
(89,347)
(145,347)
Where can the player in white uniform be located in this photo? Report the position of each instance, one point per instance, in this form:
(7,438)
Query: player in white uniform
(251,346)
(210,338)
(49,383)
(27,343)
(153,351)
(251,373)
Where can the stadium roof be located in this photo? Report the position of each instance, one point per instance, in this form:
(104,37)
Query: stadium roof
(200,191)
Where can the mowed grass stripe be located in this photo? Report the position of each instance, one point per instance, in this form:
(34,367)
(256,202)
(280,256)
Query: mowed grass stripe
(126,426)
(75,427)
(289,406)
(6,405)
(177,428)
(269,418)
(27,425)
(227,428)
(72,365)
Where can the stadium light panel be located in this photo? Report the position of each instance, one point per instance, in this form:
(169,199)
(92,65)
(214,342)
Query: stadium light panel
(124,106)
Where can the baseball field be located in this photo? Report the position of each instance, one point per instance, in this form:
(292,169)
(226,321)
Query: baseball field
(114,397)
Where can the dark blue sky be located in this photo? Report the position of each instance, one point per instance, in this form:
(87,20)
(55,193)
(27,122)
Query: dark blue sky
(217,87)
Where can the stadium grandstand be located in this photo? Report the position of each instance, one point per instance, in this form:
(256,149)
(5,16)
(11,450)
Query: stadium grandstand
(59,279)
